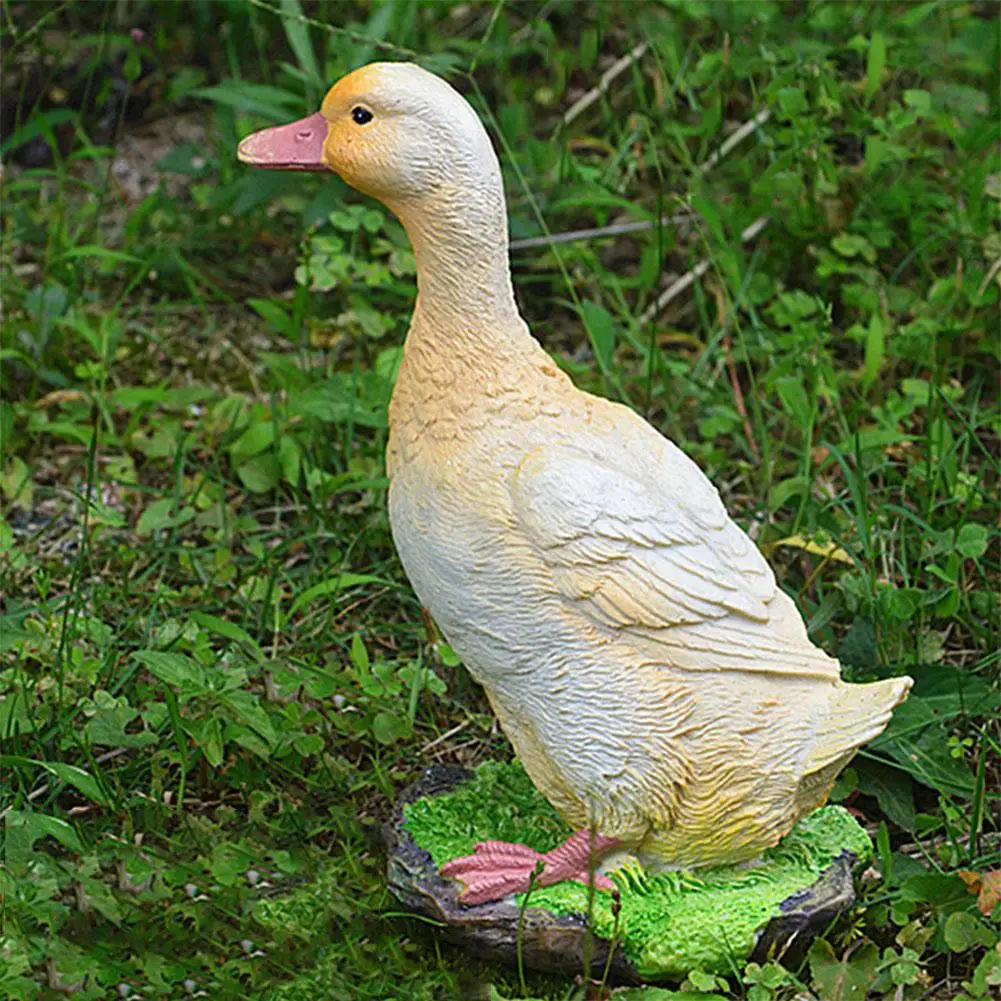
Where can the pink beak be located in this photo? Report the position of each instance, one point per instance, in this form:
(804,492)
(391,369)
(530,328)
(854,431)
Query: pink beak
(296,146)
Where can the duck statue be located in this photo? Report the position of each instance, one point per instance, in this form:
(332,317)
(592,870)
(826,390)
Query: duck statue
(658,686)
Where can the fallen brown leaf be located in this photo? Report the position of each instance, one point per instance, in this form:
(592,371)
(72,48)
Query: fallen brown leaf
(59,396)
(987,886)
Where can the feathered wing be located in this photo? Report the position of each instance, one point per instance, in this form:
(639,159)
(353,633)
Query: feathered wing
(656,561)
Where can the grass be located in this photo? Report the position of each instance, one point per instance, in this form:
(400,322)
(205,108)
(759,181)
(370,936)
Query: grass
(214,677)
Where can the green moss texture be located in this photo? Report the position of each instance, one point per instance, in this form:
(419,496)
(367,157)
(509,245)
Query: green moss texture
(670,922)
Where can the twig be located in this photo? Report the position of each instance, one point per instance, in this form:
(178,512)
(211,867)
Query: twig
(331,29)
(731,366)
(583,103)
(738,396)
(622,228)
(526,29)
(989,277)
(934,987)
(448,733)
(738,137)
(598,232)
(688,278)
(915,848)
(360,601)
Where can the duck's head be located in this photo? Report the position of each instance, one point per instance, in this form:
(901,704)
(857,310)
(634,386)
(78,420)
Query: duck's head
(391,130)
(404,136)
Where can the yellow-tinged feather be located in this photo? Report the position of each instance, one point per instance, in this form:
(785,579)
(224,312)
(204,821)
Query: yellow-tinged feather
(632,640)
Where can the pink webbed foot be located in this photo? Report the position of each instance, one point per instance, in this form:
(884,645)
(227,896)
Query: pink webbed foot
(497,868)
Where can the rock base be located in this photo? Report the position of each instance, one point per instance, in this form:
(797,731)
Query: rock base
(669,924)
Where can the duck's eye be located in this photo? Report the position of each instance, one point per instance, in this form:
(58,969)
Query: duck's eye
(361,116)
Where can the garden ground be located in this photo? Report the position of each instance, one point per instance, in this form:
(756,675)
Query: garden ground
(214,676)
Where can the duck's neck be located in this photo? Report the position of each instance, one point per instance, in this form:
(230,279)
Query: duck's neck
(465,300)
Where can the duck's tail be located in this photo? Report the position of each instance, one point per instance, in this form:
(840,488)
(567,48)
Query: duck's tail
(855,715)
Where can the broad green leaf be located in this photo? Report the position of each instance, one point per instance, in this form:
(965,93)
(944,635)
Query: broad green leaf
(387,728)
(359,653)
(791,307)
(22,828)
(245,737)
(69,431)
(41,124)
(308,743)
(971,541)
(173,668)
(892,789)
(702,981)
(945,692)
(273,314)
(845,979)
(248,707)
(875,65)
(858,645)
(254,440)
(329,401)
(56,827)
(79,779)
(790,488)
(964,930)
(290,459)
(257,187)
(253,99)
(228,630)
(211,742)
(795,400)
(261,474)
(108,728)
(297,33)
(874,350)
(710,214)
(916,738)
(601,330)
(72,774)
(935,888)
(987,974)
(852,245)
(100,897)
(914,14)
(919,100)
(872,438)
(131,398)
(792,102)
(15,484)
(160,515)
(6,545)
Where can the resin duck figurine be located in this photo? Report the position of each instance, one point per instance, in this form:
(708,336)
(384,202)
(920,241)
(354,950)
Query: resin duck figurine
(658,686)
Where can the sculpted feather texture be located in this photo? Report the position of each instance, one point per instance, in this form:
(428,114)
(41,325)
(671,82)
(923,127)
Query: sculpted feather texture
(653,679)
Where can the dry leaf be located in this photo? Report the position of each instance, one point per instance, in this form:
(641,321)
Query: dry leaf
(987,886)
(829,549)
(59,396)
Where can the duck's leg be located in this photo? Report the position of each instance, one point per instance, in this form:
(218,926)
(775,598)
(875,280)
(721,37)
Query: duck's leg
(497,868)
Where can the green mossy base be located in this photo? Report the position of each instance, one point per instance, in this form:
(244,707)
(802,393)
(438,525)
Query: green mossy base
(670,923)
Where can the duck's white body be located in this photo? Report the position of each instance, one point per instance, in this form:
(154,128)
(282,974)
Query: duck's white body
(654,680)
